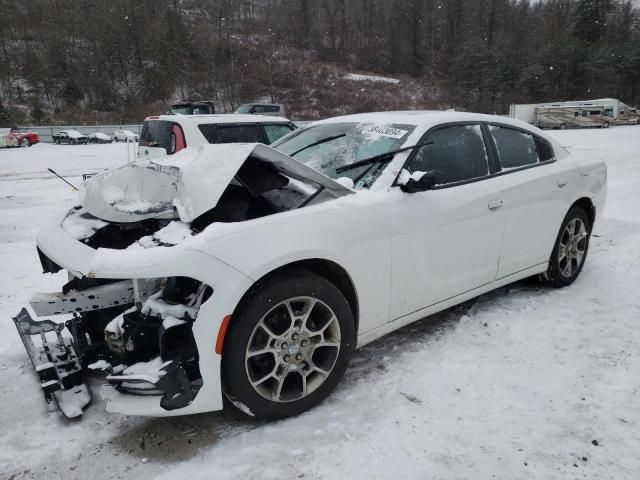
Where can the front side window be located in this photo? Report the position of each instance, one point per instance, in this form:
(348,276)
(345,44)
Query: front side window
(276,132)
(515,148)
(457,154)
(231,133)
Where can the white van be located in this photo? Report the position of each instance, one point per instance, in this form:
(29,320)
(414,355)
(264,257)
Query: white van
(168,134)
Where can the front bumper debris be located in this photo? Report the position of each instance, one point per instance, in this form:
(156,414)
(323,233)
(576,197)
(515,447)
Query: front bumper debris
(171,381)
(55,362)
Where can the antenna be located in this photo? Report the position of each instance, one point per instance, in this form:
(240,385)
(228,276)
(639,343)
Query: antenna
(63,179)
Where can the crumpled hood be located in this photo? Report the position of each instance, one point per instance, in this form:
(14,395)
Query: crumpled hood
(190,182)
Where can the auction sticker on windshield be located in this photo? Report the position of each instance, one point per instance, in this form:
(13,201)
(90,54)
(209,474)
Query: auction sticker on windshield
(386,131)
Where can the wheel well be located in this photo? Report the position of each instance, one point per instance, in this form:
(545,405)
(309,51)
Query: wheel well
(589,208)
(332,272)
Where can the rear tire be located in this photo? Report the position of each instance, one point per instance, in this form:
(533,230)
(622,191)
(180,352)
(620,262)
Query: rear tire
(570,250)
(563,126)
(303,329)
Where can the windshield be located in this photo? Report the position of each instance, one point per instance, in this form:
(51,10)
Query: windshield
(341,144)
(244,109)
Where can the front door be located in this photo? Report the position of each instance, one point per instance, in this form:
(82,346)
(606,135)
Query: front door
(446,241)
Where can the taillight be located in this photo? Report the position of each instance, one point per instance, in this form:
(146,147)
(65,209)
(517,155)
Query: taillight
(177,134)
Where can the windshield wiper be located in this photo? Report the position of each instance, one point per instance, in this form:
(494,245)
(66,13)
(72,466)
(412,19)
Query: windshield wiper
(319,142)
(379,158)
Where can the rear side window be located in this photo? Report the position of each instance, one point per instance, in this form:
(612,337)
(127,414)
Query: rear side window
(515,148)
(276,132)
(272,109)
(162,134)
(458,153)
(231,133)
(545,152)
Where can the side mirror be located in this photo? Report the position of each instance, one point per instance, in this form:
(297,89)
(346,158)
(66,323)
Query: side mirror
(425,182)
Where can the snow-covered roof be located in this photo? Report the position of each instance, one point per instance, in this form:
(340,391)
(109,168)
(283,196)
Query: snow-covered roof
(422,117)
(220,118)
(430,118)
(73,133)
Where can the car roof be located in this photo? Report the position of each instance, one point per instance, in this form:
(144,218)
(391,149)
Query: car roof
(221,118)
(263,104)
(431,118)
(424,118)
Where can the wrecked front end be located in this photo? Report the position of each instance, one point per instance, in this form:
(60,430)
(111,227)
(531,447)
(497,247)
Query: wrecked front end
(138,331)
(144,300)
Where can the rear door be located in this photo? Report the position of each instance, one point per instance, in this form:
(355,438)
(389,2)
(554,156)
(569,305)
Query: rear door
(446,241)
(535,195)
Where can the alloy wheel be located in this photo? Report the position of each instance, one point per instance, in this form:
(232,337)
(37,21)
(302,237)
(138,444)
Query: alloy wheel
(293,349)
(572,248)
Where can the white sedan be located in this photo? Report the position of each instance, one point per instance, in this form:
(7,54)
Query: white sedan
(125,136)
(254,272)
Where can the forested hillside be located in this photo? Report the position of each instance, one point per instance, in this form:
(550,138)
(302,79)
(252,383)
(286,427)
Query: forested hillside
(119,60)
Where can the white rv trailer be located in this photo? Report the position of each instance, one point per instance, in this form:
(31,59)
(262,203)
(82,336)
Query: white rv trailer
(580,113)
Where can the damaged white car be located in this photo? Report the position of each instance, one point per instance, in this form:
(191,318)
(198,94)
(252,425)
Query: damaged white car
(253,272)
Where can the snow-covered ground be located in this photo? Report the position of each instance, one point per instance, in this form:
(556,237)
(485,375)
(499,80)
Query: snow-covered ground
(528,382)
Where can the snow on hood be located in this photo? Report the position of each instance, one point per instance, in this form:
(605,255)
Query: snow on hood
(190,182)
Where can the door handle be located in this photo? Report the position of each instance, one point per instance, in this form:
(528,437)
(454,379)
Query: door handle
(562,182)
(495,204)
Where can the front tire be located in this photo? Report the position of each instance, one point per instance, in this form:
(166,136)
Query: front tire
(570,250)
(288,345)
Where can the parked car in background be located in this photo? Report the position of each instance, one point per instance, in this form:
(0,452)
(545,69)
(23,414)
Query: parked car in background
(99,137)
(7,139)
(203,107)
(168,134)
(72,137)
(125,136)
(274,109)
(25,138)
